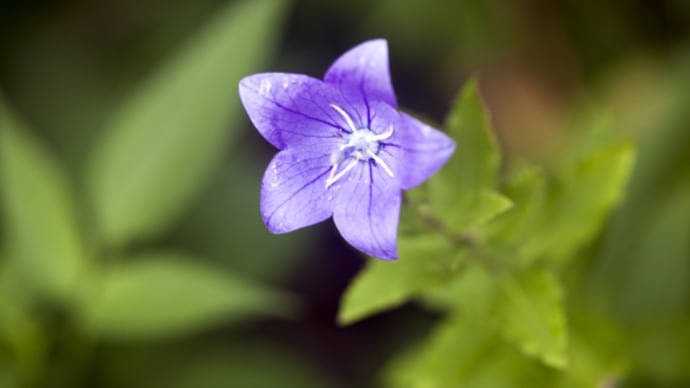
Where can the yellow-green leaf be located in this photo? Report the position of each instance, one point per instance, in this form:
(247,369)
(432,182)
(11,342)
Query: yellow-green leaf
(525,188)
(531,313)
(159,150)
(578,202)
(456,191)
(39,216)
(426,261)
(160,295)
(464,351)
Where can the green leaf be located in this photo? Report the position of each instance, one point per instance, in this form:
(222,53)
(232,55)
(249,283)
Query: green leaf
(161,295)
(527,308)
(455,193)
(525,188)
(578,202)
(159,150)
(642,271)
(597,351)
(425,261)
(449,358)
(235,362)
(661,351)
(43,241)
(23,342)
(655,281)
(463,352)
(530,312)
(7,378)
(487,205)
(472,292)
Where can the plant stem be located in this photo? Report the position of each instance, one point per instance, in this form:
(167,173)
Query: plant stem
(465,240)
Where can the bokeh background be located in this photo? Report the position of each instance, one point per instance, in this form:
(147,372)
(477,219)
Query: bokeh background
(69,68)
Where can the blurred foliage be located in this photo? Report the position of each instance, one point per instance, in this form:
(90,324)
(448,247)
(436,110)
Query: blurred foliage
(155,155)
(137,189)
(552,250)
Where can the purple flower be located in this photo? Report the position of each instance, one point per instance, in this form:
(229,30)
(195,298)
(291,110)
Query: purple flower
(345,151)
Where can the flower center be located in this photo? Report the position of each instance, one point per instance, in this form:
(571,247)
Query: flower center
(361,145)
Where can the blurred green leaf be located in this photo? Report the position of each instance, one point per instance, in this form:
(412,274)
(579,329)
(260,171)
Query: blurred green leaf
(425,261)
(662,352)
(233,362)
(247,369)
(530,311)
(245,366)
(642,272)
(472,292)
(160,295)
(464,29)
(525,188)
(577,203)
(657,278)
(487,205)
(527,308)
(458,194)
(22,339)
(157,153)
(7,379)
(463,352)
(39,217)
(598,355)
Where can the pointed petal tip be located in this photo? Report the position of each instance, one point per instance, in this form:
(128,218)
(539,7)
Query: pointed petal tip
(362,73)
(278,225)
(370,49)
(253,81)
(247,87)
(247,80)
(377,251)
(273,227)
(448,149)
(381,42)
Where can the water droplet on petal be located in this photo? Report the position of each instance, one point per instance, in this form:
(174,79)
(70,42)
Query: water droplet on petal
(265,87)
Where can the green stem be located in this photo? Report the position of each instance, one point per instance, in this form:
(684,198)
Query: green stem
(465,240)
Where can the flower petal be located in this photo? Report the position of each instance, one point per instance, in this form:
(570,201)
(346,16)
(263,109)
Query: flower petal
(368,210)
(291,109)
(425,151)
(293,190)
(362,74)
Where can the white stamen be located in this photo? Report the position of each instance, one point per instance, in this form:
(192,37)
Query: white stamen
(329,180)
(332,179)
(345,116)
(385,135)
(380,162)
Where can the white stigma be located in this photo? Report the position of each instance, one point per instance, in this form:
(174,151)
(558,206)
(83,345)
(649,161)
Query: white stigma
(361,145)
